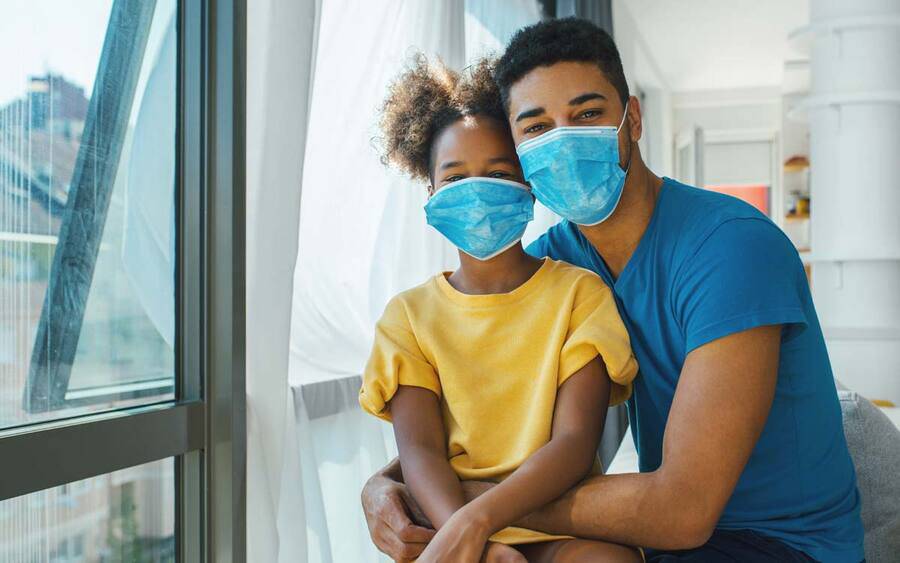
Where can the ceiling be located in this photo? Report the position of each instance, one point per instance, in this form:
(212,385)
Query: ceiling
(718,44)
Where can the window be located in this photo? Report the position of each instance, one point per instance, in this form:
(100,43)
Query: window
(87,154)
(127,515)
(121,300)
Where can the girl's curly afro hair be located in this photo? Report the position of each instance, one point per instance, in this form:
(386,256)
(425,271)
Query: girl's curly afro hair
(426,98)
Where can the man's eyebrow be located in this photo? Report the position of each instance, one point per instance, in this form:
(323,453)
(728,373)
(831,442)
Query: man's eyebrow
(529,113)
(450,164)
(578,100)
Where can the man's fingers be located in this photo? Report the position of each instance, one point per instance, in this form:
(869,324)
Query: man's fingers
(410,551)
(415,511)
(393,513)
(397,519)
(397,536)
(415,534)
(389,544)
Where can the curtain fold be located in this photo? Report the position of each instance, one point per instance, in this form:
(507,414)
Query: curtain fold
(363,238)
(280,56)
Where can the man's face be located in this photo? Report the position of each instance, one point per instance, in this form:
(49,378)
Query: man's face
(570,94)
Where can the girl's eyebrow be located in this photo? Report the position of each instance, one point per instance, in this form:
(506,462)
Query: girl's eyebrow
(502,159)
(450,164)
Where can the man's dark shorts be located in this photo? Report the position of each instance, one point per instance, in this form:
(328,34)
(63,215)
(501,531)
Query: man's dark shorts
(733,546)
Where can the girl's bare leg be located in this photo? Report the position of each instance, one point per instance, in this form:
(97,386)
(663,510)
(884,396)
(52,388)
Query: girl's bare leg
(579,551)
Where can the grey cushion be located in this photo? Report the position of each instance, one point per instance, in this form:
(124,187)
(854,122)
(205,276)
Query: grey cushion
(874,444)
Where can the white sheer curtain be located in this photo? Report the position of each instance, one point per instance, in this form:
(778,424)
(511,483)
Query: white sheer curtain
(280,37)
(363,238)
(317,73)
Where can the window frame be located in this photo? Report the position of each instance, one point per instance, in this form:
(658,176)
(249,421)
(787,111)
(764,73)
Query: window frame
(204,428)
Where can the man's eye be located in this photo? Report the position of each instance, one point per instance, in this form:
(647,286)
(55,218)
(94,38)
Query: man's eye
(534,128)
(589,114)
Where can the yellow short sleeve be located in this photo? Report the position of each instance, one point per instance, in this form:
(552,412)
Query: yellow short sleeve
(396,360)
(595,328)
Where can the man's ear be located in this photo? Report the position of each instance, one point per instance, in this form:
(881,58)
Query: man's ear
(635,124)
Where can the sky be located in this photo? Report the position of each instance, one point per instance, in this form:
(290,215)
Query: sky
(64,37)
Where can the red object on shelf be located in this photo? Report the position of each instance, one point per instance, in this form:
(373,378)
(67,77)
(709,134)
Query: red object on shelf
(756,195)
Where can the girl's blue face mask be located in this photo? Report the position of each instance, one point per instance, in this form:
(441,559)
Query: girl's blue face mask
(481,216)
(575,171)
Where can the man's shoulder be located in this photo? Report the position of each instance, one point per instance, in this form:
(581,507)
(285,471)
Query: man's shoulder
(563,241)
(691,216)
(574,276)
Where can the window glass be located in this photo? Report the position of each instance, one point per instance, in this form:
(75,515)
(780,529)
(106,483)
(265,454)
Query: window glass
(125,516)
(87,207)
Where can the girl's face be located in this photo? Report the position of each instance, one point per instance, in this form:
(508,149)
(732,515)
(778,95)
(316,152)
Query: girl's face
(474,146)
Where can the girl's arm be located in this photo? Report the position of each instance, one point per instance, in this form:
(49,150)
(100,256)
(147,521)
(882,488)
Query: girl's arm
(422,443)
(578,419)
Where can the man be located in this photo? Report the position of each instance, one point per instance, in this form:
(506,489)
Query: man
(735,414)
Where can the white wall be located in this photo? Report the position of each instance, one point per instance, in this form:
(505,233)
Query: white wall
(643,74)
(721,110)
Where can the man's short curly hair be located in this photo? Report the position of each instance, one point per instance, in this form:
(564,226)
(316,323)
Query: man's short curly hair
(425,99)
(558,40)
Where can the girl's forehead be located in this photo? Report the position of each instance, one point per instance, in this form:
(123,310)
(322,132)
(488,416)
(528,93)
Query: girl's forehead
(471,131)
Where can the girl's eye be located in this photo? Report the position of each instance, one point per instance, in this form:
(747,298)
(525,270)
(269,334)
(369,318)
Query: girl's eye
(534,128)
(453,178)
(499,174)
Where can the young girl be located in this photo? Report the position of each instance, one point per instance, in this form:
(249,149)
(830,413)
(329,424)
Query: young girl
(503,369)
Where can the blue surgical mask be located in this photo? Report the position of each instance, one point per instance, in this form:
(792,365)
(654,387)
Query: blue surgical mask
(481,216)
(575,172)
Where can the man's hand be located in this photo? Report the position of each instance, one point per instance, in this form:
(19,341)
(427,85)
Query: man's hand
(392,516)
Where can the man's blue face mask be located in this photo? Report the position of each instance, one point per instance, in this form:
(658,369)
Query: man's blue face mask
(481,216)
(575,171)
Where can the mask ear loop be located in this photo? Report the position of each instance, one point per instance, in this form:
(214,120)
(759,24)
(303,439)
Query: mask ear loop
(630,150)
(624,115)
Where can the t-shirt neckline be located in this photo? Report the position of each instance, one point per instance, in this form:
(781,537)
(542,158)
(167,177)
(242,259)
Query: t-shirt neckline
(492,299)
(642,244)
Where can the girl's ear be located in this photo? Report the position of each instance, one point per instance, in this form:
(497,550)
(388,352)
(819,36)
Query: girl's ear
(430,190)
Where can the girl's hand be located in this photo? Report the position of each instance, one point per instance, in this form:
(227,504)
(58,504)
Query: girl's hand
(499,553)
(461,539)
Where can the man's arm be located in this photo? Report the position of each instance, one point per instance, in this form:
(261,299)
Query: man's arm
(718,413)
(396,523)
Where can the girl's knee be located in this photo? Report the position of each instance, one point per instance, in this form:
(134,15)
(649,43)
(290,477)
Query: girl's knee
(586,551)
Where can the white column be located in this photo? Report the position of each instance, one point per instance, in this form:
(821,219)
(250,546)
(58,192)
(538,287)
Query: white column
(854,120)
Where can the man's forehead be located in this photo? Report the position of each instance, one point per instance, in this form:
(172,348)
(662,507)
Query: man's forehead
(559,83)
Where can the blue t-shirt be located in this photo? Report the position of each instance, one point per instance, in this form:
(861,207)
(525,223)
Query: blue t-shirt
(710,265)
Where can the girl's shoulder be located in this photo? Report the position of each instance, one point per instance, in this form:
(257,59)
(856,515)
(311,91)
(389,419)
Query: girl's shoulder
(403,304)
(578,277)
